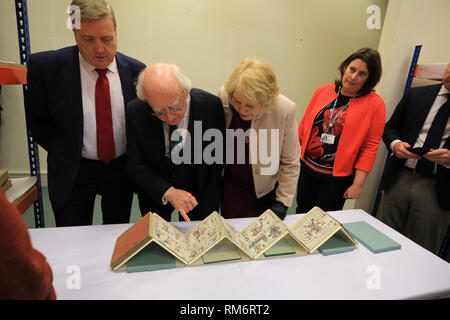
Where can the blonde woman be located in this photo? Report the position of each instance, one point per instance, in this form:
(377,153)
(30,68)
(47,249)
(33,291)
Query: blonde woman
(260,181)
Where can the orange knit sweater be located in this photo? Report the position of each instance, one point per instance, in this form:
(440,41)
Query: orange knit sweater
(362,131)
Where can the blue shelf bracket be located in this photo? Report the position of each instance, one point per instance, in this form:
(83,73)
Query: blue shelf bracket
(33,150)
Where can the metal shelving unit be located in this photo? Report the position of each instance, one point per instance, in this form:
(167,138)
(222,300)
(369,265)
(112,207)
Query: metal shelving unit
(33,151)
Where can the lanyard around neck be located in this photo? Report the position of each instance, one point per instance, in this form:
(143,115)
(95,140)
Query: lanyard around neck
(332,121)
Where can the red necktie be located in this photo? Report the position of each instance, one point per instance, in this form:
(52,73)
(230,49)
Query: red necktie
(105,133)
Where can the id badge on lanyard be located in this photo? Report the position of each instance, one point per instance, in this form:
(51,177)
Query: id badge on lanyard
(327,138)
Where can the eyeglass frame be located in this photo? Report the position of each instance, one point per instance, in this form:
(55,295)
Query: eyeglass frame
(160,114)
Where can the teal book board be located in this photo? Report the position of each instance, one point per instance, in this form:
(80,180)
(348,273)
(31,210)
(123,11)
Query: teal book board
(280,248)
(370,237)
(152,257)
(336,244)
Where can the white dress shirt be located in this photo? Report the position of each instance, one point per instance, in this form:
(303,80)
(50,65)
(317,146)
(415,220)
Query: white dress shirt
(88,80)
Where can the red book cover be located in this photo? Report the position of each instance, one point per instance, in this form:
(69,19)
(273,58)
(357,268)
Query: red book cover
(131,240)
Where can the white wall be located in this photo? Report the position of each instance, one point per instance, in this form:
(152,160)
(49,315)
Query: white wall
(407,23)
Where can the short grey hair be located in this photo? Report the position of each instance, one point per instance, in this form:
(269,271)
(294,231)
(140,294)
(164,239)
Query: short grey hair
(184,82)
(140,80)
(94,9)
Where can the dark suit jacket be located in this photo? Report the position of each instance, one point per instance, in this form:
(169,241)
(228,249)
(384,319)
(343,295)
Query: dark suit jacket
(55,113)
(405,124)
(153,173)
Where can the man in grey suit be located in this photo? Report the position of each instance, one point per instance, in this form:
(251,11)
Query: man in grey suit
(416,200)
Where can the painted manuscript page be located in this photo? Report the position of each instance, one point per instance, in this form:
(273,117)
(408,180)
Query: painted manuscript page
(233,234)
(170,238)
(314,228)
(204,236)
(262,233)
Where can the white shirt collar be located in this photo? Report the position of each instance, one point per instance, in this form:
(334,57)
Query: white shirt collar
(188,108)
(443,91)
(90,68)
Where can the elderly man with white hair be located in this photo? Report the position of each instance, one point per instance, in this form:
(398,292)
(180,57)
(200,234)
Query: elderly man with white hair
(166,103)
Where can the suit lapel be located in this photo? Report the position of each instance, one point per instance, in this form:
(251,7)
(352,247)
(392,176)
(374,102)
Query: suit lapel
(193,116)
(125,79)
(156,133)
(72,91)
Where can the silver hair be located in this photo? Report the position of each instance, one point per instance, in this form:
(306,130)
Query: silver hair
(183,81)
(140,80)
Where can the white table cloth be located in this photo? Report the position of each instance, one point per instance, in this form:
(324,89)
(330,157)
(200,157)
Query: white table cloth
(80,257)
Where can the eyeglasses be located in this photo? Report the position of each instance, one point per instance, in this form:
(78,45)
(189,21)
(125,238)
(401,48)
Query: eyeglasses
(160,114)
(174,109)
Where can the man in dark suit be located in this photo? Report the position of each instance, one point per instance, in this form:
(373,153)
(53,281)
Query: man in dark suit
(416,200)
(75,107)
(192,185)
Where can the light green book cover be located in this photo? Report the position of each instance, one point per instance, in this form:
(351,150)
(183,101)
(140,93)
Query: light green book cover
(152,257)
(223,251)
(281,248)
(370,237)
(336,244)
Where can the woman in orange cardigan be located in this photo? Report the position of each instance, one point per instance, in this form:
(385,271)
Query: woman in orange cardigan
(340,133)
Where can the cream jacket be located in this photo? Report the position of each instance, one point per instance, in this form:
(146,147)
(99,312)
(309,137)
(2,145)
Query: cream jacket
(280,160)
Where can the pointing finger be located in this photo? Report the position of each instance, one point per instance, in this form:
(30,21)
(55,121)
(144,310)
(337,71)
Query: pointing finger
(185,216)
